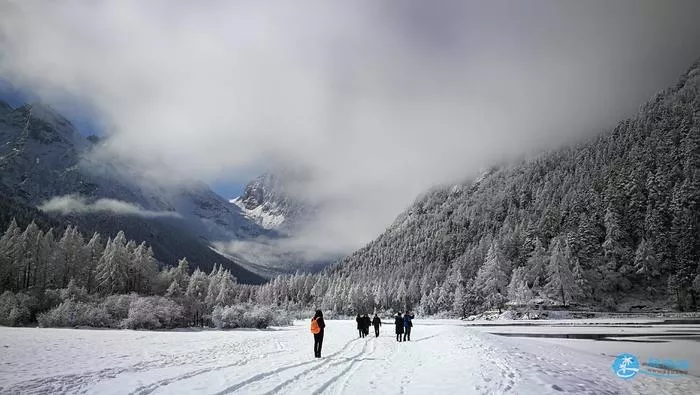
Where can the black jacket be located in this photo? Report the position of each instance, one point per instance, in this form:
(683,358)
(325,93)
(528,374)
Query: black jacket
(376,321)
(360,322)
(398,322)
(366,322)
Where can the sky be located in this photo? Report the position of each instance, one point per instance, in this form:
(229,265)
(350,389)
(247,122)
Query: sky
(375,101)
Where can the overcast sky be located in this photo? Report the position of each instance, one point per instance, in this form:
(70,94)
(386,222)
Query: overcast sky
(377,100)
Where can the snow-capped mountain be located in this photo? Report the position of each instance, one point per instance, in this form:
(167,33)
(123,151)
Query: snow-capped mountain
(268,202)
(44,159)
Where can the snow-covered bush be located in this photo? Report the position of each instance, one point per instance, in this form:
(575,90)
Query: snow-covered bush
(141,315)
(257,317)
(247,316)
(71,313)
(51,299)
(153,313)
(118,305)
(16,309)
(72,291)
(282,318)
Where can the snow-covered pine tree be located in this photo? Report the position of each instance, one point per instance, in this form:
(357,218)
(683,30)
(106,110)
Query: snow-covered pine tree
(143,269)
(71,256)
(227,291)
(536,266)
(93,252)
(561,282)
(112,269)
(10,250)
(518,291)
(492,279)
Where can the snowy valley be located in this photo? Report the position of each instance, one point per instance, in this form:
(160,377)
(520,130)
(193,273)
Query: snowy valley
(504,175)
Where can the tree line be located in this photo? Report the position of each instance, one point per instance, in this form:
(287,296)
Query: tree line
(72,280)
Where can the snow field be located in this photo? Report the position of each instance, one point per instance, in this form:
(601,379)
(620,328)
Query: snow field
(444,357)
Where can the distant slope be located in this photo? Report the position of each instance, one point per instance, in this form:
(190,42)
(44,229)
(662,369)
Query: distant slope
(621,213)
(42,156)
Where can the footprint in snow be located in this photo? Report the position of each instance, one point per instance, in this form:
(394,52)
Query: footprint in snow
(557,388)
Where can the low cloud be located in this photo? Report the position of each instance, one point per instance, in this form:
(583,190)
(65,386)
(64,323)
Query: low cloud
(285,254)
(378,100)
(72,204)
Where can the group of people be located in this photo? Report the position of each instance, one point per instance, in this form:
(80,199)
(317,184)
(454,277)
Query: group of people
(364,322)
(403,324)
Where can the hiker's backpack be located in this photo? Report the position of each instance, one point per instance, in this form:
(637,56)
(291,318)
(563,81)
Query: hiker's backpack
(315,328)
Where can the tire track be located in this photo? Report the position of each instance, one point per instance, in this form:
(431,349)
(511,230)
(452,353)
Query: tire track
(307,371)
(347,373)
(154,386)
(261,376)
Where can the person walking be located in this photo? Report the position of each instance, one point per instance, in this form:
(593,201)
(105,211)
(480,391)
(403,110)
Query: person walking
(317,328)
(376,323)
(366,323)
(398,323)
(407,325)
(360,325)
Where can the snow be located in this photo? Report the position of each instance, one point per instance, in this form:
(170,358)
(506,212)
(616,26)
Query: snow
(444,357)
(260,214)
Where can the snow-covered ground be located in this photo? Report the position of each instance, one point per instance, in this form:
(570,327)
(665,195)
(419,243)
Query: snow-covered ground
(444,357)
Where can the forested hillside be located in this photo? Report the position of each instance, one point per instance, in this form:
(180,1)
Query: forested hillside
(608,223)
(593,223)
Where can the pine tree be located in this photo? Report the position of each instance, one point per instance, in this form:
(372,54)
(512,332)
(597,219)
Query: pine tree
(227,292)
(459,307)
(215,287)
(112,270)
(518,291)
(93,252)
(142,269)
(561,282)
(198,286)
(536,265)
(71,256)
(492,279)
(10,250)
(47,259)
(645,261)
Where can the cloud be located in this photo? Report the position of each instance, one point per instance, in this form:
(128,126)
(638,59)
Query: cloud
(71,204)
(378,100)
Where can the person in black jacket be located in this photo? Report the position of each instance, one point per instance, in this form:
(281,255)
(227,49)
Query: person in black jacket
(398,322)
(376,322)
(360,325)
(318,337)
(366,323)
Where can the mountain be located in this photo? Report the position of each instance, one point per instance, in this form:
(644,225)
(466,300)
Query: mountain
(45,162)
(268,202)
(271,201)
(613,222)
